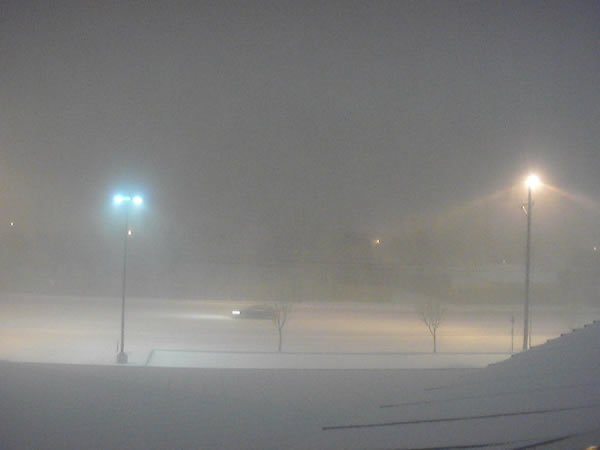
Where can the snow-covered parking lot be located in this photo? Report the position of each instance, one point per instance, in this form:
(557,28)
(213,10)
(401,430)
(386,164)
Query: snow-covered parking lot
(87,329)
(548,397)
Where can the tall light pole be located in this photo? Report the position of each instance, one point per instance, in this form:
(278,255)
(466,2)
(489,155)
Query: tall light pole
(127,202)
(531,182)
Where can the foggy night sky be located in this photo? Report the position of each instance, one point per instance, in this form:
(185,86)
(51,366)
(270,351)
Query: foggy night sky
(247,119)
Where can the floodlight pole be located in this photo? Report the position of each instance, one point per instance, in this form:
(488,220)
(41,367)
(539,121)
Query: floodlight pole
(526,337)
(512,333)
(122,356)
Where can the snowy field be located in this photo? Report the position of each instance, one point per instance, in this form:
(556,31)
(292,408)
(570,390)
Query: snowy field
(351,376)
(86,330)
(310,360)
(546,398)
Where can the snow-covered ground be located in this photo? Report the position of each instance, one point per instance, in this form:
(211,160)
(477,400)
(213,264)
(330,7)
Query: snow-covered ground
(313,360)
(548,397)
(87,330)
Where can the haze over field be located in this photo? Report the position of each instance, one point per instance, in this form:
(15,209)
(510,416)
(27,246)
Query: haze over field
(299,224)
(275,143)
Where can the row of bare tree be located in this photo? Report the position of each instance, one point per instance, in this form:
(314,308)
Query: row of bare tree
(431,313)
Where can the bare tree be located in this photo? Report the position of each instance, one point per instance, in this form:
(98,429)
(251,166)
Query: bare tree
(281,310)
(432,314)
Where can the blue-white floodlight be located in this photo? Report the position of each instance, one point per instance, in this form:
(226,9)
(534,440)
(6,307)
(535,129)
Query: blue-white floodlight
(129,202)
(119,199)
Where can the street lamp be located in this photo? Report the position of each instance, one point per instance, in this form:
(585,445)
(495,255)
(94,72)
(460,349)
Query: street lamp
(531,183)
(128,202)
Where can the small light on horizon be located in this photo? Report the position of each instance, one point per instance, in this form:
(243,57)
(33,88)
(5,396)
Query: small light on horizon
(129,232)
(12,224)
(138,200)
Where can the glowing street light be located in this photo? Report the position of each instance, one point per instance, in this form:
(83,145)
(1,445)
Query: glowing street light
(531,183)
(128,202)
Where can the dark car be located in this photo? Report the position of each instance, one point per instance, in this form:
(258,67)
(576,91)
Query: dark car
(264,312)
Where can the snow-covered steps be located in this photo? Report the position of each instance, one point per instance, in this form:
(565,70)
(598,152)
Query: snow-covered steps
(547,397)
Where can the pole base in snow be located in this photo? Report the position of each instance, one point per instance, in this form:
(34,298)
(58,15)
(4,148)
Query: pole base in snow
(122,358)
